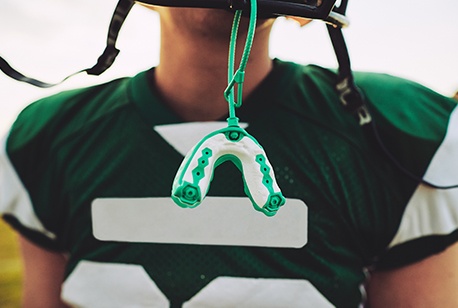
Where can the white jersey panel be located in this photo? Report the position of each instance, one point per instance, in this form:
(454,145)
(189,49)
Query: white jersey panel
(228,292)
(429,212)
(115,285)
(443,169)
(97,285)
(217,221)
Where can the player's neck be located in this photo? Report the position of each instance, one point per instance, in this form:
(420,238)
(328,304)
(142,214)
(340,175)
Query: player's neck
(192,73)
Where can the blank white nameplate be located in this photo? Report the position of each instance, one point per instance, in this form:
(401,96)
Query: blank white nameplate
(217,221)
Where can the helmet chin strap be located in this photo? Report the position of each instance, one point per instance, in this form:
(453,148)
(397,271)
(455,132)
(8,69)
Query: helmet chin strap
(232,143)
(350,95)
(104,61)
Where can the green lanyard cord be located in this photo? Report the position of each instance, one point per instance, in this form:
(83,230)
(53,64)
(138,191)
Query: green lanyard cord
(239,75)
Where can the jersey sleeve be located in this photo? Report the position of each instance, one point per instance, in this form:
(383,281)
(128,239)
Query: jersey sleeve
(16,205)
(35,195)
(420,129)
(430,220)
(29,186)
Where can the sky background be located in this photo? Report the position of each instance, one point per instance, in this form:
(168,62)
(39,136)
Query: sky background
(49,39)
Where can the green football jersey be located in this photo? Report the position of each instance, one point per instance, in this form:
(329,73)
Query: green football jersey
(89,172)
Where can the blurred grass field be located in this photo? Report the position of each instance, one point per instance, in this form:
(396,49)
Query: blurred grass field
(10,268)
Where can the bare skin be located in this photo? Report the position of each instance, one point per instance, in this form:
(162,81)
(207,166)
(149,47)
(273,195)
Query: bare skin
(192,73)
(43,276)
(191,77)
(432,282)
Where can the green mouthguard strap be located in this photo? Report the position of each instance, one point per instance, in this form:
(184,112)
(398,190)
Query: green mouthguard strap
(239,76)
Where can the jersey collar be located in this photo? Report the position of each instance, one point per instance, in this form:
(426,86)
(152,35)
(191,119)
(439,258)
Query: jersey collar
(151,107)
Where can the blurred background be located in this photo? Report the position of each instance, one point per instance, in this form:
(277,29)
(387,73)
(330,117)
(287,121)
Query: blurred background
(49,39)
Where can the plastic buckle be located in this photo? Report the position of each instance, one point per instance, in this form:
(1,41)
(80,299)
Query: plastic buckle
(239,78)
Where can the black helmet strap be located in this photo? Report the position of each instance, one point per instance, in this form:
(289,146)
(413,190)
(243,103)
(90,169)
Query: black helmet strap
(350,95)
(104,61)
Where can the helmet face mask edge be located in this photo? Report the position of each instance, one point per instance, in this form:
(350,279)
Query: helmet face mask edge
(313,9)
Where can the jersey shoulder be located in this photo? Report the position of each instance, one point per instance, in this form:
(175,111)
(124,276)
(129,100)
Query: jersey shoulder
(31,156)
(404,101)
(64,113)
(411,119)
